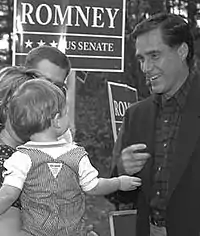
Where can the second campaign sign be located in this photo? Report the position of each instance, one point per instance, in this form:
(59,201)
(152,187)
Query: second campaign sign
(90,32)
(121,96)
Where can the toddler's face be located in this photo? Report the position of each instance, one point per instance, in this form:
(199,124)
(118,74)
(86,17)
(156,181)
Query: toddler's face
(64,121)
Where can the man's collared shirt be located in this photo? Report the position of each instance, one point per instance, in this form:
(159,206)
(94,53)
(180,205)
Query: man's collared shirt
(167,126)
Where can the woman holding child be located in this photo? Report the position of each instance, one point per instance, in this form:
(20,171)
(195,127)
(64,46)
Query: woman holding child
(10,79)
(49,113)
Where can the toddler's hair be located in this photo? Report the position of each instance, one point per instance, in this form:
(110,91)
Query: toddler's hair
(33,106)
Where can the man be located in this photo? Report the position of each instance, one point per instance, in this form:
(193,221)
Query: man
(56,66)
(160,136)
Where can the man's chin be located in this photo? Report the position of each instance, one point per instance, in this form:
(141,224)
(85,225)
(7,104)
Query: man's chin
(155,90)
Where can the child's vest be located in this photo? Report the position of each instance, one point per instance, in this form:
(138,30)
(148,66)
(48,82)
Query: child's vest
(53,202)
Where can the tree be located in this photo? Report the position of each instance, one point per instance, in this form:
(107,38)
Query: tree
(6,28)
(156,6)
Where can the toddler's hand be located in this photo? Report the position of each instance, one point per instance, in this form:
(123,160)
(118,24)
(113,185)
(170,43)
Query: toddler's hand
(128,183)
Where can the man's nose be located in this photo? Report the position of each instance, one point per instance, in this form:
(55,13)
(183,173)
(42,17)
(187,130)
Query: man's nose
(147,66)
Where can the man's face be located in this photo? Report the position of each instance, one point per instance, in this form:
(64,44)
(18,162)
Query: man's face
(160,63)
(52,71)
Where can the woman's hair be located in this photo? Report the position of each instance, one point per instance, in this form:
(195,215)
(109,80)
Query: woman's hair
(33,106)
(11,78)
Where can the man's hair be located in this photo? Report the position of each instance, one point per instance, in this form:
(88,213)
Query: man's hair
(175,31)
(52,54)
(33,106)
(11,77)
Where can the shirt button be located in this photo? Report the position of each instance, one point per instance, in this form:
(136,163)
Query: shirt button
(165,145)
(159,168)
(158,193)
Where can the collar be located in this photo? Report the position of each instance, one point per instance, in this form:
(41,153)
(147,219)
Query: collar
(180,96)
(33,144)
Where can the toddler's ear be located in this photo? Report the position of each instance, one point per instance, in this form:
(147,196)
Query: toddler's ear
(56,121)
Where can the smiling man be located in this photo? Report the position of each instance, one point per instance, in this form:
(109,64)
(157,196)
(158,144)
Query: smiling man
(162,65)
(160,136)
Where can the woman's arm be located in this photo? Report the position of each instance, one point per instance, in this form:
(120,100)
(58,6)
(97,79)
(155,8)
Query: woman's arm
(8,195)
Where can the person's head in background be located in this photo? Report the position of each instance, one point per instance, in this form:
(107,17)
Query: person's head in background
(165,50)
(51,62)
(11,78)
(38,111)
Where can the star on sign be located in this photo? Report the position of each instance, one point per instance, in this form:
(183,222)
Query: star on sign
(41,43)
(28,43)
(53,44)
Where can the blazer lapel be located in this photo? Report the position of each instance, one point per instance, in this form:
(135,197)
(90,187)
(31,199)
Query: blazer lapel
(147,136)
(188,134)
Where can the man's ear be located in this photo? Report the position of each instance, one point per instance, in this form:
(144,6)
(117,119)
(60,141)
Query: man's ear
(183,51)
(56,121)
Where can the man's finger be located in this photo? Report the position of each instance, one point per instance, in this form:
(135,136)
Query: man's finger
(134,147)
(137,157)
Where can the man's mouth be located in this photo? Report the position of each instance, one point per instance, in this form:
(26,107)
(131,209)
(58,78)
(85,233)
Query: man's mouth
(153,78)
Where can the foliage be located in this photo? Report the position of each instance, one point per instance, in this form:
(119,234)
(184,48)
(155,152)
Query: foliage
(6,26)
(93,121)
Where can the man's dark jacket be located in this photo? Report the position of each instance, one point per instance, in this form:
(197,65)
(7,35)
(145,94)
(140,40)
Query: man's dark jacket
(183,201)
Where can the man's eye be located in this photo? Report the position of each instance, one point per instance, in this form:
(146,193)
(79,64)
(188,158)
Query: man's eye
(155,56)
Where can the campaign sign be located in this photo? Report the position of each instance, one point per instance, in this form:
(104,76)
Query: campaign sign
(124,220)
(90,32)
(121,96)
